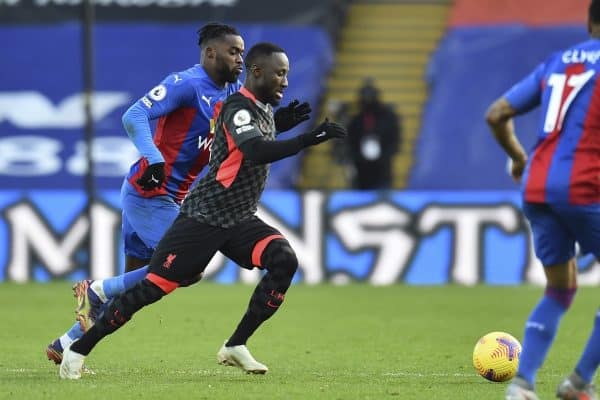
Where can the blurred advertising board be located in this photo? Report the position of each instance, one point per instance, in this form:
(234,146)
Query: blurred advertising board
(418,238)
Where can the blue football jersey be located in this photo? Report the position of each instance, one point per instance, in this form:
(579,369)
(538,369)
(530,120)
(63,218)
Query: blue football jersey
(564,166)
(186,105)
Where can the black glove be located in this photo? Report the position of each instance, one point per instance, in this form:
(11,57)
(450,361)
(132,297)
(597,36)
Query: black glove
(325,131)
(288,117)
(153,176)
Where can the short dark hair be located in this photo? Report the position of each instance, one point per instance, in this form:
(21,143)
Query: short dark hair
(594,12)
(259,50)
(214,30)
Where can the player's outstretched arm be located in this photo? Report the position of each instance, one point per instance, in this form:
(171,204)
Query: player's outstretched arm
(293,114)
(263,151)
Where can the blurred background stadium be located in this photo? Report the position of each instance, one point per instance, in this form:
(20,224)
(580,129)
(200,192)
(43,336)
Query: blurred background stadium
(69,69)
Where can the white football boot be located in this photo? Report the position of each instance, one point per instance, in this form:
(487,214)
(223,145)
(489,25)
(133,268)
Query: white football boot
(71,365)
(519,389)
(239,356)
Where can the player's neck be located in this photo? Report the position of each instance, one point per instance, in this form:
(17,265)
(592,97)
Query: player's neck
(214,77)
(594,31)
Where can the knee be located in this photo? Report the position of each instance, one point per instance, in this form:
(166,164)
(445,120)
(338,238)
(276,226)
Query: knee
(280,259)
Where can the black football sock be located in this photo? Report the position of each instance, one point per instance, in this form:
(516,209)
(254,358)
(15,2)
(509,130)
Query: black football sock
(244,330)
(263,304)
(118,311)
(87,342)
(281,263)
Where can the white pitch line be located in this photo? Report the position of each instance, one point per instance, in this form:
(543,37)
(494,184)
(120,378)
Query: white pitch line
(433,374)
(20,370)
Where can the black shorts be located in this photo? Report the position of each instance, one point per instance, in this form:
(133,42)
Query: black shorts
(188,246)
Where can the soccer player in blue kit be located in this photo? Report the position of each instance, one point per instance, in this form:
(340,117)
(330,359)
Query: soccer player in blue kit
(186,105)
(560,184)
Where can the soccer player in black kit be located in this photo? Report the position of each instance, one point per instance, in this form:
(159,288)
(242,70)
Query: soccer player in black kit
(219,215)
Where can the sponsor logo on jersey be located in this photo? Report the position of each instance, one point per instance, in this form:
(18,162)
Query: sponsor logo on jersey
(243,129)
(242,117)
(158,93)
(146,102)
(204,142)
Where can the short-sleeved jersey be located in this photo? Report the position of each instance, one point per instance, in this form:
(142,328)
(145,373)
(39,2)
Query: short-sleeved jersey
(186,104)
(229,193)
(564,165)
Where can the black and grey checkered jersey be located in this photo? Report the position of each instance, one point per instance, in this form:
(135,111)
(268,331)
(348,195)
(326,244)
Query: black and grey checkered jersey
(230,191)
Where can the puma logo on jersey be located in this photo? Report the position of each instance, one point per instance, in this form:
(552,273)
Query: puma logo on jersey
(206,99)
(177,78)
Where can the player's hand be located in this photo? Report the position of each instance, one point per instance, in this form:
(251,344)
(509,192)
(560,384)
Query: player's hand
(288,117)
(325,131)
(517,168)
(153,176)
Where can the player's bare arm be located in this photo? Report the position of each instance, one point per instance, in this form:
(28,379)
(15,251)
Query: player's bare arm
(499,117)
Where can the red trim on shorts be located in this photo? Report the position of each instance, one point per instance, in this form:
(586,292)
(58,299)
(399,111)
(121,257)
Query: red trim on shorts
(260,247)
(166,285)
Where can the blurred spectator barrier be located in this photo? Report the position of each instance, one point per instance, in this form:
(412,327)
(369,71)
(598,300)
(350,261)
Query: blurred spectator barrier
(42,119)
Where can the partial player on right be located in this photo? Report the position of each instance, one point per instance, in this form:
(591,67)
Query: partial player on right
(561,196)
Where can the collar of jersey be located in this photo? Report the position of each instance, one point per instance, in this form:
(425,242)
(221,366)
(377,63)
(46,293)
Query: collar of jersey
(246,93)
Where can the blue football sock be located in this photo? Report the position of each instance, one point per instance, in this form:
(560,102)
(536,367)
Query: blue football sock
(120,283)
(75,332)
(590,359)
(540,331)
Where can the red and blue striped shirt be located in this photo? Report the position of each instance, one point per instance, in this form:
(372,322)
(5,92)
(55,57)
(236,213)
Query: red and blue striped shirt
(186,104)
(564,164)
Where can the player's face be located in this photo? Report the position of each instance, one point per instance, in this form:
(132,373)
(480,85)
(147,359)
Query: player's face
(229,62)
(273,81)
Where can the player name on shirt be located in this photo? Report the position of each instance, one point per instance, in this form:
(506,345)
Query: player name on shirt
(580,56)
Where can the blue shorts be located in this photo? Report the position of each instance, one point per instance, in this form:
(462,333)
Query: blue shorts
(556,229)
(145,221)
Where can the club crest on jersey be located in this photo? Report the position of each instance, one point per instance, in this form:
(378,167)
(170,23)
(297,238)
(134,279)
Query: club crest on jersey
(242,117)
(158,93)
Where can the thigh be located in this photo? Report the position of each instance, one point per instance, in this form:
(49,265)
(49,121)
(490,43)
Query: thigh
(247,242)
(554,244)
(149,218)
(186,249)
(584,223)
(132,244)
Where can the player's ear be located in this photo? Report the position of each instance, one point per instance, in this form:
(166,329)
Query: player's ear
(256,70)
(210,52)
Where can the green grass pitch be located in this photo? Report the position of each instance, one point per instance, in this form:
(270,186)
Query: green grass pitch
(327,342)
